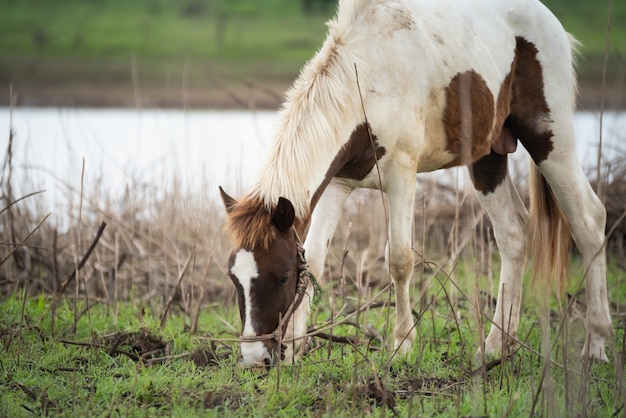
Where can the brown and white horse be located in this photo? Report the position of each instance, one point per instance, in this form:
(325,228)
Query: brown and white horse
(414,86)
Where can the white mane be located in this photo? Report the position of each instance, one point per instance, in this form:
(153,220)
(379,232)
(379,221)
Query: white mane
(321,109)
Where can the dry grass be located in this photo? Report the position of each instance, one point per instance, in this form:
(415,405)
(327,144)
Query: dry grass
(614,197)
(147,238)
(150,234)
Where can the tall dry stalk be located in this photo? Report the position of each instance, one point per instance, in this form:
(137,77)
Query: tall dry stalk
(599,190)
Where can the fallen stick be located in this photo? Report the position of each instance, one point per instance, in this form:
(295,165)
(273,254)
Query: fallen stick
(82,262)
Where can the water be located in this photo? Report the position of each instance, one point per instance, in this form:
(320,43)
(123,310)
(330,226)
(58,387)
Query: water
(200,149)
(120,148)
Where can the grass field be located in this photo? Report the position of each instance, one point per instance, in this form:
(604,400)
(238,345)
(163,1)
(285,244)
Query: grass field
(120,359)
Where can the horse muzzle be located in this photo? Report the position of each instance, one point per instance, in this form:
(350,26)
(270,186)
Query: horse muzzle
(260,354)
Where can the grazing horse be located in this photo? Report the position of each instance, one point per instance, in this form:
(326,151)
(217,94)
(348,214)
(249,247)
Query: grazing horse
(407,86)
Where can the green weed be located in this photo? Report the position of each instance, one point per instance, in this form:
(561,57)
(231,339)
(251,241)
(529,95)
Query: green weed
(103,369)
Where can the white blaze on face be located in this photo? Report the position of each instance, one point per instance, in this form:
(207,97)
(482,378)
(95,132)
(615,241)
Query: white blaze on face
(245,270)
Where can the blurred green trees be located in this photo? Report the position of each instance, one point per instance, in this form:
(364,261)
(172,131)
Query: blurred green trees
(93,41)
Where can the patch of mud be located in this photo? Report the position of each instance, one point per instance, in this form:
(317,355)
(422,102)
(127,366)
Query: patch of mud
(139,345)
(376,391)
(210,356)
(425,385)
(226,399)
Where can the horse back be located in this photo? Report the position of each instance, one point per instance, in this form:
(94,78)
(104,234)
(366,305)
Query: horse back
(454,71)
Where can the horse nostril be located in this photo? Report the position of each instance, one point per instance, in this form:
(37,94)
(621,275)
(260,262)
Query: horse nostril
(267,361)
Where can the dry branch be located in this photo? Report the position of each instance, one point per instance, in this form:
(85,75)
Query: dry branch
(21,244)
(177,288)
(80,265)
(20,199)
(350,339)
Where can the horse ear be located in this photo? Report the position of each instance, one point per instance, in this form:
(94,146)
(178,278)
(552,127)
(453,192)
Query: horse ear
(229,202)
(283,215)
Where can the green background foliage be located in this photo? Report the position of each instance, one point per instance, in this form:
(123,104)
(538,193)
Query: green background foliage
(44,42)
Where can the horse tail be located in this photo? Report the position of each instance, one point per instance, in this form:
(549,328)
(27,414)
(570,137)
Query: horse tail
(549,232)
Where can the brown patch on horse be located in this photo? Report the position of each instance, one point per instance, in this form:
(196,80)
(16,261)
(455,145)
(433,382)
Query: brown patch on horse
(359,154)
(356,159)
(250,224)
(529,109)
(489,171)
(468,118)
(520,111)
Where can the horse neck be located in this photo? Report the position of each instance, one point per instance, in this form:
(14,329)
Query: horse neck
(322,109)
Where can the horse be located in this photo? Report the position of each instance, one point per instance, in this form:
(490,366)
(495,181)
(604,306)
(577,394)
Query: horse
(401,87)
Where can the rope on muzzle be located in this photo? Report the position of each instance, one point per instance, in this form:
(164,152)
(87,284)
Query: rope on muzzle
(305,276)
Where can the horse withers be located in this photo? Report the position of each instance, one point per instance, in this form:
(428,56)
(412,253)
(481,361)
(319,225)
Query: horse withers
(407,86)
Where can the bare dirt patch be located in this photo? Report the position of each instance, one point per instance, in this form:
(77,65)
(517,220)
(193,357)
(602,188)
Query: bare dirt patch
(139,345)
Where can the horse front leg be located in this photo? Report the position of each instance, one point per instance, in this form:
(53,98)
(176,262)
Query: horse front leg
(323,224)
(400,190)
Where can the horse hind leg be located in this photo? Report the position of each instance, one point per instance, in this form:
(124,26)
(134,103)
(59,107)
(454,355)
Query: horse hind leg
(587,219)
(508,215)
(542,119)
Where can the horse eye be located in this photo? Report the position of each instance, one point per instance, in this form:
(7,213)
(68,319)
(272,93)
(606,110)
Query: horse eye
(283,280)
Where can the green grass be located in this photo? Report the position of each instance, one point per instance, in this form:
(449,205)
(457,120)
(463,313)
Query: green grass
(82,41)
(117,29)
(64,40)
(43,373)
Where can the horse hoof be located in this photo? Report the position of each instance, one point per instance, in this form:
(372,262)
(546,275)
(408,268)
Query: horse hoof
(595,351)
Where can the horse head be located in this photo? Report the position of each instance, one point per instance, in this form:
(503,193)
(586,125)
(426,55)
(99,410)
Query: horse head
(266,266)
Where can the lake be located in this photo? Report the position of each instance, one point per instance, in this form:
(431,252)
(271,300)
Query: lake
(197,150)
